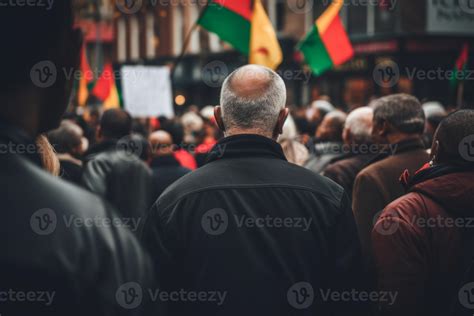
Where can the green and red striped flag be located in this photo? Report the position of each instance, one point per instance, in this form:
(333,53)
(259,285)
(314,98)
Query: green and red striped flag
(327,44)
(245,25)
(460,67)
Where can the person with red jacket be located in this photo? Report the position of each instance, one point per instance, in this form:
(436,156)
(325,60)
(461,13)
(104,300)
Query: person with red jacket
(421,240)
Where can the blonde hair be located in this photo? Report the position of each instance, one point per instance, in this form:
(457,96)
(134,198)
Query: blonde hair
(48,156)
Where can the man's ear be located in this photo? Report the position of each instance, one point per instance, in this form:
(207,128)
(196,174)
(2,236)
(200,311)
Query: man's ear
(281,122)
(218,117)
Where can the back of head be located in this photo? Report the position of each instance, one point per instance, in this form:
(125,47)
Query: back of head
(66,138)
(331,127)
(161,143)
(455,136)
(402,111)
(42,48)
(252,98)
(359,125)
(115,124)
(32,33)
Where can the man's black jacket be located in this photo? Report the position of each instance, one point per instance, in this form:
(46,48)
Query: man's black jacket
(166,170)
(64,251)
(251,234)
(120,177)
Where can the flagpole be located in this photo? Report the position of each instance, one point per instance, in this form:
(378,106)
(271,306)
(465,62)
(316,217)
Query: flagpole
(187,40)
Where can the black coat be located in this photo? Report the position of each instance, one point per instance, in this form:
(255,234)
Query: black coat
(120,177)
(166,170)
(49,246)
(252,227)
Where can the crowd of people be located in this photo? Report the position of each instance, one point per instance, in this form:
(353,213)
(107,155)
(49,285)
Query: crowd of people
(246,208)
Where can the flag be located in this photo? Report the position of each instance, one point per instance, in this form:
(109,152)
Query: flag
(103,86)
(86,79)
(264,47)
(460,66)
(327,44)
(244,24)
(113,100)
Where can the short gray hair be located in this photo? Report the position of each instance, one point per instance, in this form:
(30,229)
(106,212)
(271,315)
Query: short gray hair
(403,111)
(359,124)
(259,112)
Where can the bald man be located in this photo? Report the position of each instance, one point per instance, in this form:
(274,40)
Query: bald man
(250,233)
(166,169)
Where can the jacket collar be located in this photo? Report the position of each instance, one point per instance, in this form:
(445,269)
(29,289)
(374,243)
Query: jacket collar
(246,146)
(10,134)
(398,148)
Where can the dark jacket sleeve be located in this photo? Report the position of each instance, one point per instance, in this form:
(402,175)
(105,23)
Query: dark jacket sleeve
(349,272)
(94,177)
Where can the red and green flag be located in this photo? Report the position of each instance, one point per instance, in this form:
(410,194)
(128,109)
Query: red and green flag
(327,45)
(245,25)
(461,66)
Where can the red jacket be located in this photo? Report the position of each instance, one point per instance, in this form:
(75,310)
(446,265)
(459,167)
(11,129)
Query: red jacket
(417,242)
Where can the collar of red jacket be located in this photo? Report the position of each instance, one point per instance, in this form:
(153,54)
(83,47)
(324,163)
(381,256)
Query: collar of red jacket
(246,146)
(452,186)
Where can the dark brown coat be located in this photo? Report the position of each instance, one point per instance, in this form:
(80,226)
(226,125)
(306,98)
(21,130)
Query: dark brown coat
(378,185)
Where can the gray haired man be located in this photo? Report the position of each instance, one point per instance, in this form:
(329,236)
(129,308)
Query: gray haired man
(250,233)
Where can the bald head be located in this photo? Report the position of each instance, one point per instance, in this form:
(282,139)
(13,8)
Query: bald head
(161,143)
(358,127)
(252,99)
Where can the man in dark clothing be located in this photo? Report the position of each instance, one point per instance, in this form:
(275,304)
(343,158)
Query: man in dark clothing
(398,124)
(52,262)
(68,143)
(114,170)
(423,241)
(166,169)
(359,150)
(267,236)
(329,137)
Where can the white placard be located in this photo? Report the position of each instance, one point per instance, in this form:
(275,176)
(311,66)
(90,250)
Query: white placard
(147,91)
(450,16)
